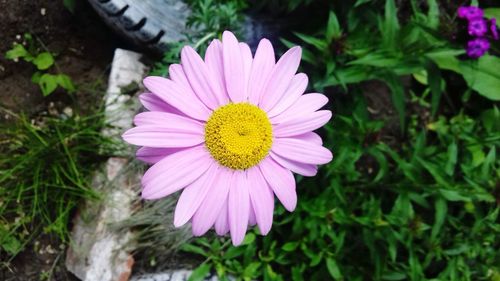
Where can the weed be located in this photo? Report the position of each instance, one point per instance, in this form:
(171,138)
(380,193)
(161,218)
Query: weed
(43,61)
(46,174)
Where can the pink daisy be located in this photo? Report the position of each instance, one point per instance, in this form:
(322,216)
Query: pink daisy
(229,130)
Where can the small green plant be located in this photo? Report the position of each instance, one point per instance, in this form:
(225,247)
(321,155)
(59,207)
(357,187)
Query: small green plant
(216,16)
(44,62)
(207,21)
(47,172)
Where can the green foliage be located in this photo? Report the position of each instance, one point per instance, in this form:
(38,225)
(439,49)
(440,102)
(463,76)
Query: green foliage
(215,15)
(46,174)
(43,61)
(417,203)
(424,209)
(208,20)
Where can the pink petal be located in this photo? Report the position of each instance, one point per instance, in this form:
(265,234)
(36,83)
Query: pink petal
(201,80)
(193,195)
(175,95)
(281,182)
(305,105)
(234,69)
(152,155)
(221,223)
(175,172)
(153,103)
(310,137)
(167,118)
(238,207)
(251,216)
(307,170)
(262,199)
(176,73)
(213,60)
(204,218)
(260,73)
(282,75)
(161,129)
(292,94)
(302,125)
(301,151)
(246,54)
(162,136)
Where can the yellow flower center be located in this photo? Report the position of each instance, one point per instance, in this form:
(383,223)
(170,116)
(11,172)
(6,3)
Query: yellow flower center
(238,135)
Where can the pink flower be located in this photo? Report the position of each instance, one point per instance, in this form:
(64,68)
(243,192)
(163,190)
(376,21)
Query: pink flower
(477,48)
(478,27)
(470,12)
(229,131)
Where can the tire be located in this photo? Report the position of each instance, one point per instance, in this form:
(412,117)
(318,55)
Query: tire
(153,24)
(150,24)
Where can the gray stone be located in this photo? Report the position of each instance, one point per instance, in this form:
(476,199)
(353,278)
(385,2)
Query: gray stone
(174,275)
(98,251)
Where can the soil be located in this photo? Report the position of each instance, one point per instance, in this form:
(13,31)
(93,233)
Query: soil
(84,48)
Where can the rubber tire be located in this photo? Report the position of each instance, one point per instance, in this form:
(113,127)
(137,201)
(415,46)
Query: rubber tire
(151,24)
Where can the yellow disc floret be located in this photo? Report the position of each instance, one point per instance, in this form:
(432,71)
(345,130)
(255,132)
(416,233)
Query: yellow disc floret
(238,135)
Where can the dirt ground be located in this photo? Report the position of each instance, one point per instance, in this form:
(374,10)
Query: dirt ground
(82,43)
(84,48)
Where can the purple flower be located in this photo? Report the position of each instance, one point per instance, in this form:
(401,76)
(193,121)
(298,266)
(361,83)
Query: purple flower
(470,12)
(478,27)
(477,48)
(493,28)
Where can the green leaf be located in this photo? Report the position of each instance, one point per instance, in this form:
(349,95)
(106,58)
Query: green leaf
(43,61)
(452,159)
(333,30)
(394,276)
(234,252)
(361,2)
(435,171)
(35,78)
(453,195)
(47,83)
(484,76)
(17,51)
(433,14)
(249,238)
(390,26)
(478,155)
(290,246)
(200,272)
(377,60)
(65,82)
(251,269)
(434,82)
(493,13)
(193,249)
(439,217)
(481,75)
(447,59)
(398,96)
(11,245)
(317,43)
(333,268)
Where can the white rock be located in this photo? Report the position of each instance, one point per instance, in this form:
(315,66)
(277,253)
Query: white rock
(99,251)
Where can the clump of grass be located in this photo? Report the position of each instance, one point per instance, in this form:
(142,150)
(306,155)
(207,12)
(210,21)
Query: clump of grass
(45,172)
